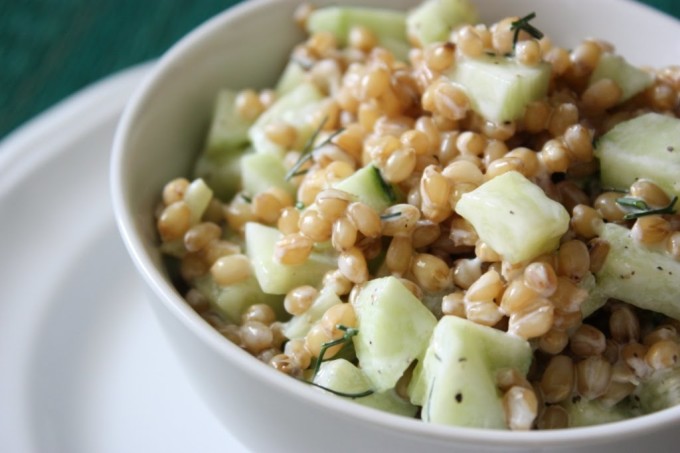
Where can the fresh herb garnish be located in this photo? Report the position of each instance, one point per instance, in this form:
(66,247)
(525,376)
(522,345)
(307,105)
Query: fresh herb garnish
(641,208)
(391,215)
(349,332)
(346,395)
(308,150)
(246,197)
(344,340)
(387,188)
(523,24)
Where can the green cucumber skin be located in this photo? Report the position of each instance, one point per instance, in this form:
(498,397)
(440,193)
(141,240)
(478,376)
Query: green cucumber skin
(645,147)
(367,186)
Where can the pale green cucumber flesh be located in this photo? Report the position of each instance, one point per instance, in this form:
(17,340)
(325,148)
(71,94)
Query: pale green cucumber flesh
(368,186)
(197,196)
(260,172)
(233,300)
(660,391)
(292,76)
(646,147)
(514,216)
(639,275)
(228,131)
(340,375)
(499,88)
(293,109)
(584,413)
(434,20)
(389,26)
(277,278)
(456,380)
(298,326)
(394,329)
(630,79)
(221,173)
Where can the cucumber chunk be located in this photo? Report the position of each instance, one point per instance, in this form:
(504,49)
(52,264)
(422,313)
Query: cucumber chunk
(228,130)
(388,25)
(233,300)
(630,79)
(221,173)
(434,20)
(197,197)
(456,381)
(294,109)
(499,88)
(341,376)
(260,172)
(515,217)
(646,147)
(639,275)
(369,187)
(277,278)
(660,391)
(293,75)
(298,326)
(394,329)
(583,412)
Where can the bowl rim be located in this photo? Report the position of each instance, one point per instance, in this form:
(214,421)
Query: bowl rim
(209,337)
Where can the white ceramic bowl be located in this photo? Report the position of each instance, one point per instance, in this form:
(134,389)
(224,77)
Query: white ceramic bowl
(159,136)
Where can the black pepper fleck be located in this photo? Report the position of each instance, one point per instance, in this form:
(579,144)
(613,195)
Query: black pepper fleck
(459,397)
(670,149)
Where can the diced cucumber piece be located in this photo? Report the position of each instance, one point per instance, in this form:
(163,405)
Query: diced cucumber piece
(660,391)
(228,130)
(456,381)
(394,329)
(197,197)
(292,76)
(294,109)
(298,326)
(221,173)
(499,88)
(515,217)
(341,376)
(263,171)
(639,275)
(434,20)
(596,298)
(646,147)
(388,25)
(369,187)
(583,412)
(233,300)
(277,278)
(630,79)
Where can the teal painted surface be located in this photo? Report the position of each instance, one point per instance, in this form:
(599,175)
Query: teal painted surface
(51,48)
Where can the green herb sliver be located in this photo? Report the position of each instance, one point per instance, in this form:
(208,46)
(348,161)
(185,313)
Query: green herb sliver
(308,150)
(346,395)
(346,338)
(523,24)
(642,209)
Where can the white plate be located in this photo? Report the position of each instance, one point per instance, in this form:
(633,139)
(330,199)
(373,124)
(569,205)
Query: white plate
(83,365)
